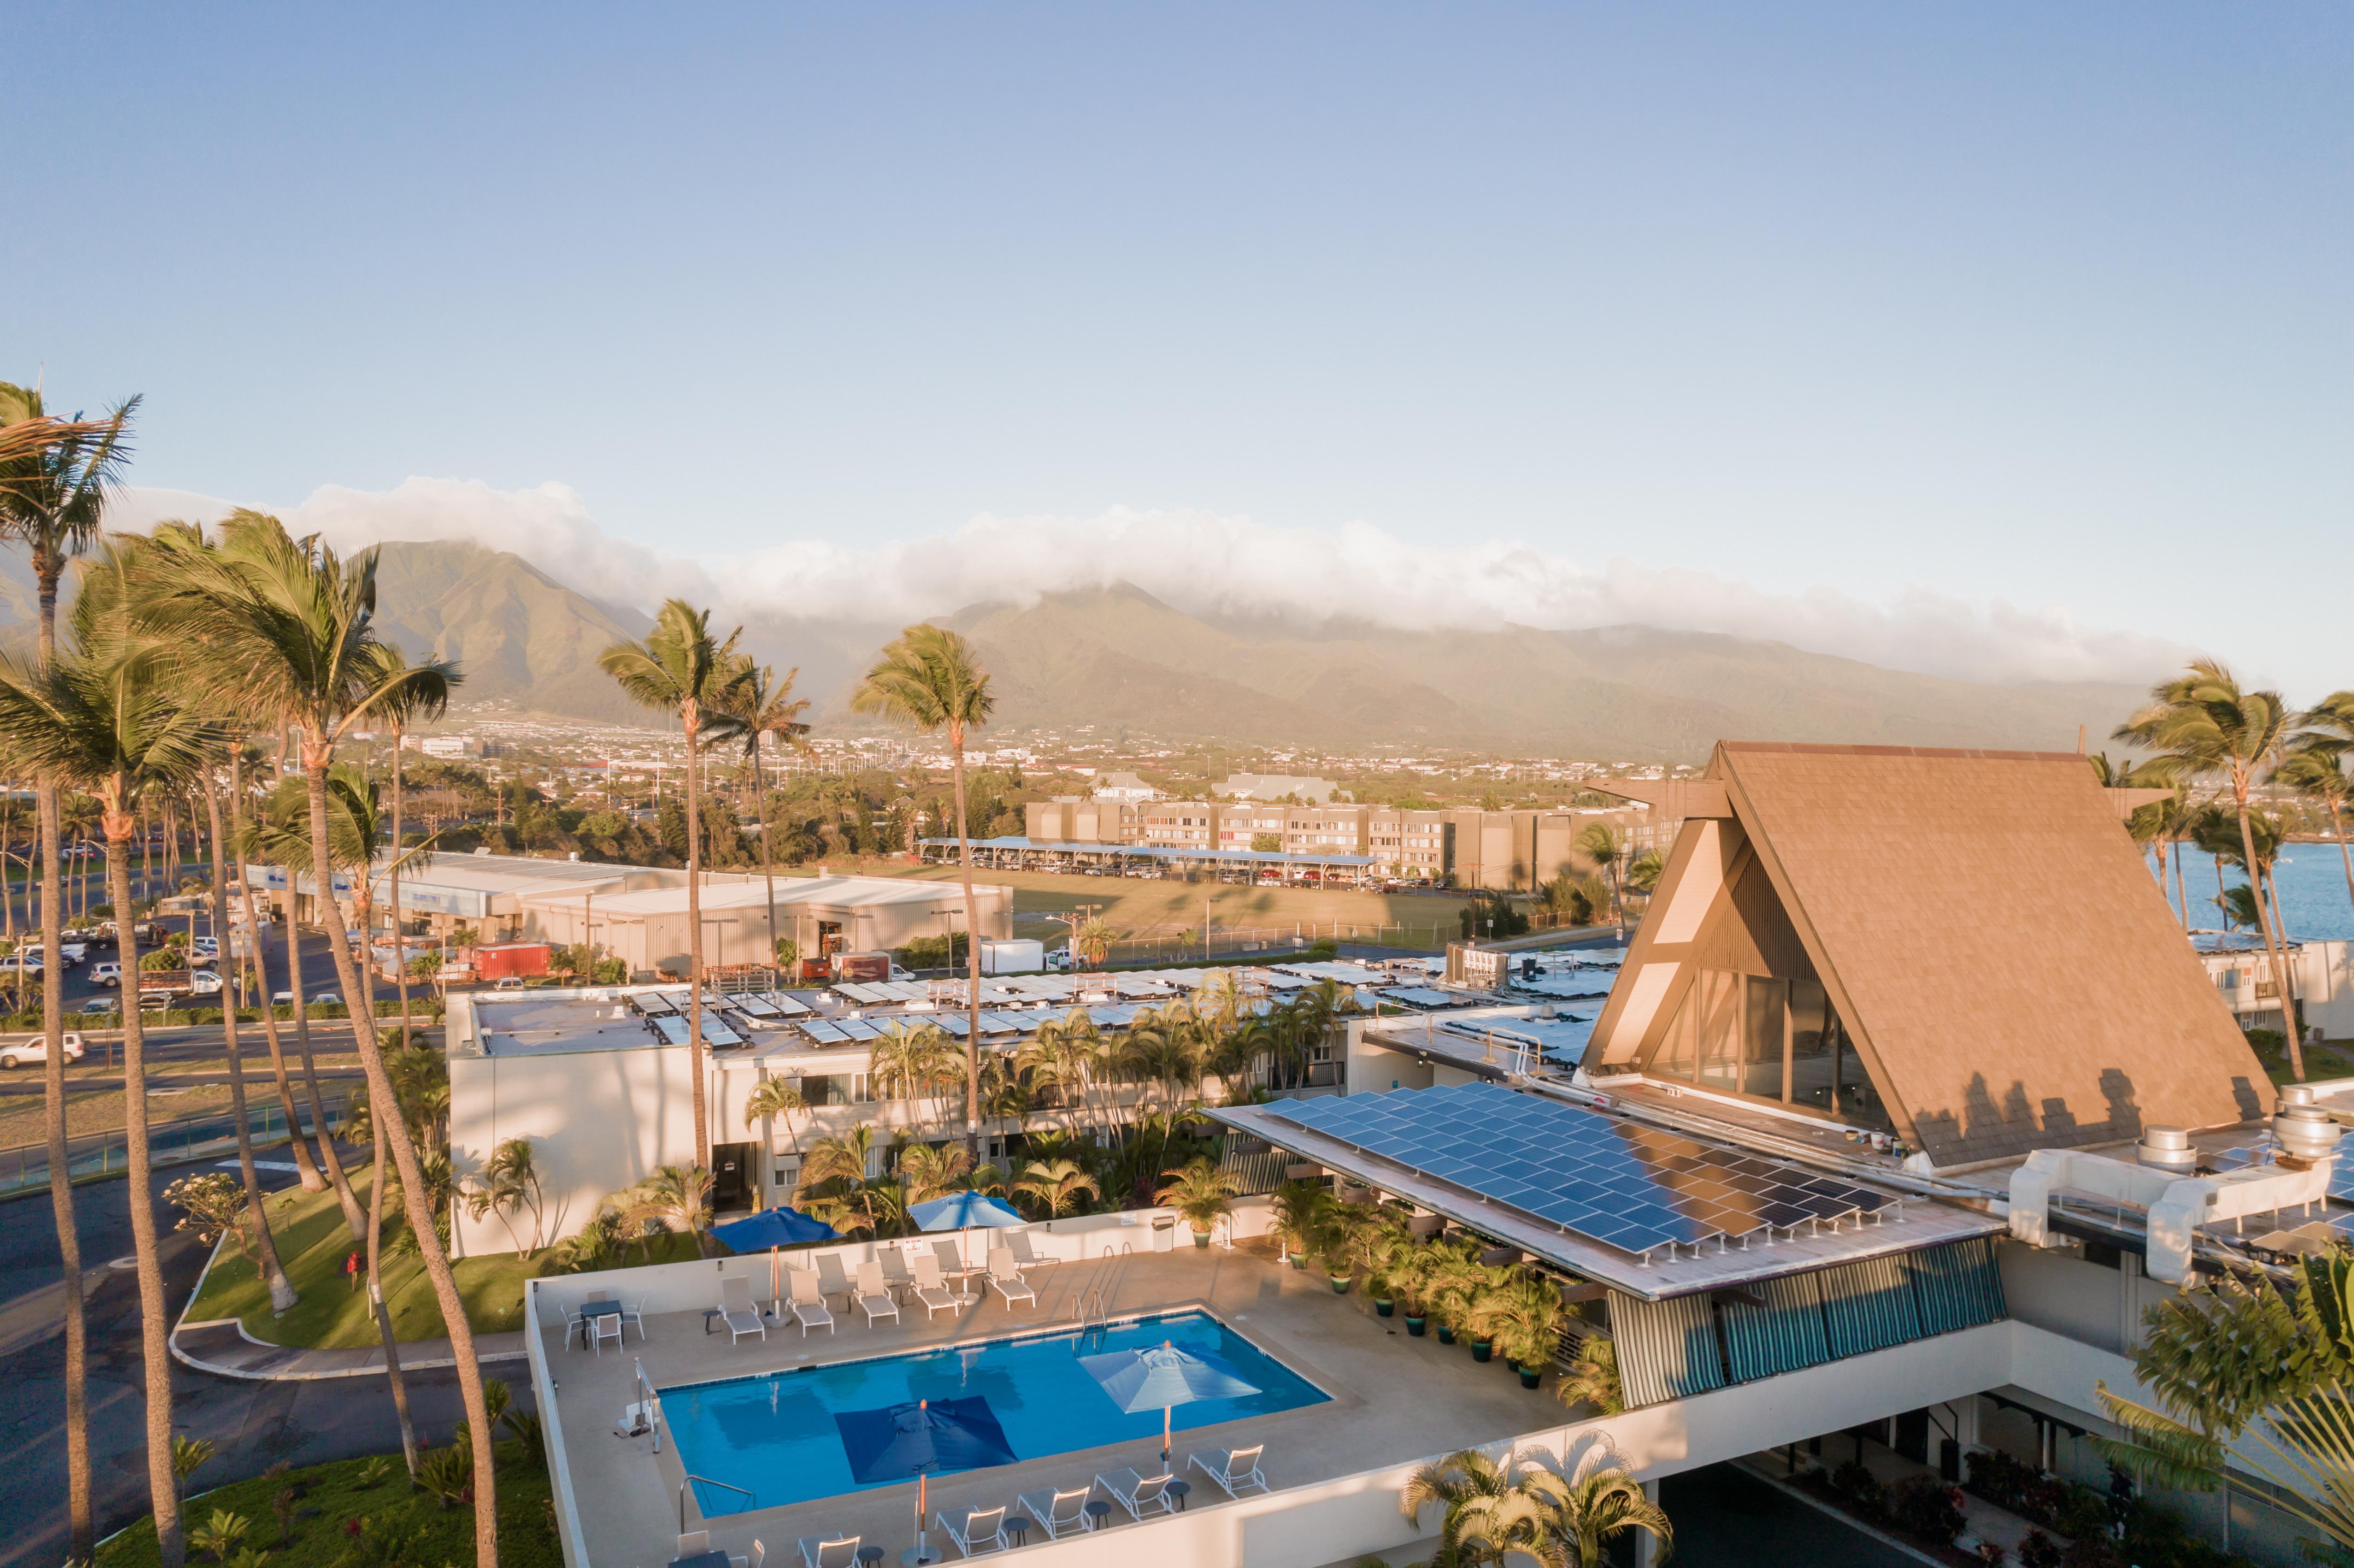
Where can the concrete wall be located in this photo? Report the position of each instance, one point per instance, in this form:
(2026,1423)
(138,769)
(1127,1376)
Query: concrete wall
(2323,976)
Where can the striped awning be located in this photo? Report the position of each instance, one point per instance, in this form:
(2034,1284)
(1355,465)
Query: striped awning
(1869,1306)
(1784,1334)
(1667,1350)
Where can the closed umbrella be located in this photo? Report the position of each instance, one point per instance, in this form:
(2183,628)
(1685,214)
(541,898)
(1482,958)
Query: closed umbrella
(1164,1376)
(927,1438)
(961,1211)
(773,1228)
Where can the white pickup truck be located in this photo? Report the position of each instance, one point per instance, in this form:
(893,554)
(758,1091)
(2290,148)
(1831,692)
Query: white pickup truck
(16,1054)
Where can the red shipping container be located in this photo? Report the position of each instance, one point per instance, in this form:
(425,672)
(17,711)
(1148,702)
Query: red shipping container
(501,960)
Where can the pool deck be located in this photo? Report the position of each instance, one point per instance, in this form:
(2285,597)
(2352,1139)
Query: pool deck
(1393,1399)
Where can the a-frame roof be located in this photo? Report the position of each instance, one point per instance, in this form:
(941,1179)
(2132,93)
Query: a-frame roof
(2012,975)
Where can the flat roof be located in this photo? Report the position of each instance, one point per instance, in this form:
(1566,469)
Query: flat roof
(1154,851)
(856,891)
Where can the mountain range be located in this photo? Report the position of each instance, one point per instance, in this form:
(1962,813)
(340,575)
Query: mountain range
(1119,659)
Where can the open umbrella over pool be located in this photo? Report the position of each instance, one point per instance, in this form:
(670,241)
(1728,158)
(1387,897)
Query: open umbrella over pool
(962,1212)
(1164,1376)
(927,1438)
(773,1228)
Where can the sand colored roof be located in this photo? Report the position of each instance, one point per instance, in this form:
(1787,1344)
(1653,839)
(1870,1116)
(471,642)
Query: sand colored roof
(2012,974)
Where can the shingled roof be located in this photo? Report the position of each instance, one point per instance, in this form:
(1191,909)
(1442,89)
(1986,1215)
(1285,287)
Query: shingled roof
(2010,974)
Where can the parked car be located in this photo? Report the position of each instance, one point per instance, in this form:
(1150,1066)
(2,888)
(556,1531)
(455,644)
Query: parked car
(107,974)
(156,1000)
(1059,959)
(24,963)
(16,1054)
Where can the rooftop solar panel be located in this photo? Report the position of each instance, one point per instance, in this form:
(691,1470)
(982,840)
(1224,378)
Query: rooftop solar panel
(1635,1188)
(651,1003)
(1420,996)
(716,1032)
(824,1034)
(755,1006)
(670,1026)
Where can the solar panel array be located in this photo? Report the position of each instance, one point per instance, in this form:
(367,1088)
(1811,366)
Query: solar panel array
(1634,1188)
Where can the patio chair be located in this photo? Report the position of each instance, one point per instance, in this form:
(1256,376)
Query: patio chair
(929,1288)
(736,1308)
(807,1301)
(603,1326)
(874,1295)
(1058,1513)
(1006,1276)
(832,1281)
(1140,1495)
(635,1312)
(894,1270)
(983,1529)
(1235,1470)
(693,1542)
(838,1553)
(1027,1256)
(759,1557)
(950,1261)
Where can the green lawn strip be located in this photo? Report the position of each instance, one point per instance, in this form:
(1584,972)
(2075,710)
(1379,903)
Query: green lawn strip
(330,1497)
(330,1315)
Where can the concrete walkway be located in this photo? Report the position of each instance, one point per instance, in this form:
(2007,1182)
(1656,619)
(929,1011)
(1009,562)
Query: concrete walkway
(223,1347)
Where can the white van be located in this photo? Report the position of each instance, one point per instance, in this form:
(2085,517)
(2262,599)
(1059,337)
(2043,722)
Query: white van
(18,1054)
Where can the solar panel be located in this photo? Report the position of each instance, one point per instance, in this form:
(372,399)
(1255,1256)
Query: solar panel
(2342,1174)
(716,1032)
(782,1005)
(824,1034)
(1421,996)
(649,1003)
(864,995)
(755,1006)
(670,1027)
(1631,1187)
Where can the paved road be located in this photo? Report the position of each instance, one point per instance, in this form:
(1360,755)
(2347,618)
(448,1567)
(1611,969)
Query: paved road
(254,1425)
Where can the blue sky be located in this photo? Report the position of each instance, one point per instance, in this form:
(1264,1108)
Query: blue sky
(2044,306)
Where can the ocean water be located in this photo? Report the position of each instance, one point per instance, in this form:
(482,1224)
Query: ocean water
(2314,902)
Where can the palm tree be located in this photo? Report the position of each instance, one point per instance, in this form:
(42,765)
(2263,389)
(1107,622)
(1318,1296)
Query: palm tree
(414,704)
(680,668)
(2261,1357)
(305,1163)
(1602,843)
(2315,765)
(1091,943)
(841,1163)
(2207,725)
(1592,1378)
(1201,1192)
(776,1096)
(1597,1502)
(679,1197)
(292,626)
(1465,1484)
(1056,1183)
(931,680)
(766,705)
(102,716)
(56,477)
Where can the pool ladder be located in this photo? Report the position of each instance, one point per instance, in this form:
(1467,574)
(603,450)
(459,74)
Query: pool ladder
(1090,1310)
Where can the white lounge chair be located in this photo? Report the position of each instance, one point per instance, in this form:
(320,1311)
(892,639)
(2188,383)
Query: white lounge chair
(841,1551)
(895,1269)
(929,1286)
(1026,1254)
(875,1295)
(1235,1470)
(950,1261)
(983,1529)
(1006,1276)
(808,1302)
(1058,1513)
(759,1557)
(830,1280)
(736,1308)
(693,1542)
(1140,1495)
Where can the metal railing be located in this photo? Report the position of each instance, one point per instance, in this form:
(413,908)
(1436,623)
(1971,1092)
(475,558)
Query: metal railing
(25,1167)
(708,1481)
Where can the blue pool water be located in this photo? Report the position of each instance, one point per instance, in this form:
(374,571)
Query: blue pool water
(775,1436)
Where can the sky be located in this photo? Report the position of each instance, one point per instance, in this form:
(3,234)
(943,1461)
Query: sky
(2004,341)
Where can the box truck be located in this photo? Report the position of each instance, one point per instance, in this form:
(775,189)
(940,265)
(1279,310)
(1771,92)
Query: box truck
(1013,958)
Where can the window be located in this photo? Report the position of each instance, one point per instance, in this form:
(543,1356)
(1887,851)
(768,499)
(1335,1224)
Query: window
(1769,1039)
(2228,981)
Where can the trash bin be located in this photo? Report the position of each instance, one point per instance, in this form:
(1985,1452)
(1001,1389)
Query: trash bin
(1164,1234)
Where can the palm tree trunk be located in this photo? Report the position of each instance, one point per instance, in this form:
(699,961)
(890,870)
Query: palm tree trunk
(377,1113)
(695,945)
(355,1220)
(2336,825)
(971,959)
(388,1125)
(2264,928)
(312,1180)
(48,570)
(399,940)
(767,861)
(162,1486)
(282,1289)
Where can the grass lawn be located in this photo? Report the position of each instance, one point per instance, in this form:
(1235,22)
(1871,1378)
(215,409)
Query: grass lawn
(330,1315)
(329,1497)
(23,1117)
(2330,1060)
(1173,909)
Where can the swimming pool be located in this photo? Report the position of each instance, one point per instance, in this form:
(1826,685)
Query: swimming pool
(775,1436)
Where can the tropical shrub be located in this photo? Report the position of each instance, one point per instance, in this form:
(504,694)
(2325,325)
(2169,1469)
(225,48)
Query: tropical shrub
(1861,1490)
(448,1474)
(1926,1506)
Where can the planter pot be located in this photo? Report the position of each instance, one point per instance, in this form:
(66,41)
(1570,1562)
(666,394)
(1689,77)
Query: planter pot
(1418,1327)
(1383,1309)
(1299,1261)
(1340,1282)
(1531,1377)
(1483,1350)
(1446,1334)
(1202,1240)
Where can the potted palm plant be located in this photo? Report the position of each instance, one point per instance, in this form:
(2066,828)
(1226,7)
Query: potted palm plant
(1336,1241)
(1294,1216)
(1201,1192)
(1448,1282)
(1524,1316)
(1398,1265)
(1483,1309)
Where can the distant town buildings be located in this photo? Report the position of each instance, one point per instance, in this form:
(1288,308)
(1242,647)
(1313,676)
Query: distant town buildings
(1275,787)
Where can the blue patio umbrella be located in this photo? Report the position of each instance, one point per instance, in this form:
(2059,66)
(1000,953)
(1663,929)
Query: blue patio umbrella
(961,1211)
(773,1228)
(1165,1376)
(927,1438)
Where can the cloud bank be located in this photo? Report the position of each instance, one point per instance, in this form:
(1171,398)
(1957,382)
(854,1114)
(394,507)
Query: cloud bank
(1204,563)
